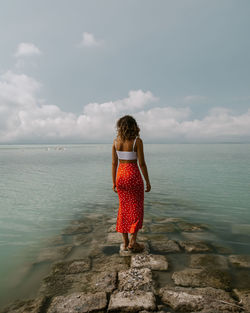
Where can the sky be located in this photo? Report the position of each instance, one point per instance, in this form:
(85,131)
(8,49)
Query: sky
(70,69)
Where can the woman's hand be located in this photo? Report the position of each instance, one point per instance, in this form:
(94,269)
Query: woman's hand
(148,187)
(114,187)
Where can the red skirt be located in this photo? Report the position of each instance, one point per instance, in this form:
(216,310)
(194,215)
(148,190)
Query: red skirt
(130,189)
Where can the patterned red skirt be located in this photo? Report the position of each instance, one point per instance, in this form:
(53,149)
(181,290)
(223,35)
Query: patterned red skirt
(130,189)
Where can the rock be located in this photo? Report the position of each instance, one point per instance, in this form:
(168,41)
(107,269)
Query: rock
(208,261)
(244,298)
(106,263)
(78,302)
(222,249)
(165,246)
(54,241)
(144,229)
(241,278)
(240,260)
(71,267)
(77,228)
(112,228)
(165,228)
(80,239)
(114,238)
(195,246)
(185,226)
(112,220)
(23,306)
(130,253)
(200,236)
(152,261)
(53,253)
(57,284)
(196,299)
(168,220)
(129,301)
(135,279)
(193,277)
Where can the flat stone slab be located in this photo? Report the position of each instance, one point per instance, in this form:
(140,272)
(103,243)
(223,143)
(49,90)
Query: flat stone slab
(240,260)
(80,239)
(135,279)
(78,302)
(23,306)
(190,227)
(198,299)
(200,236)
(56,285)
(208,261)
(165,246)
(106,263)
(194,277)
(163,228)
(168,220)
(53,253)
(77,227)
(152,261)
(112,228)
(130,253)
(244,298)
(195,246)
(71,267)
(125,301)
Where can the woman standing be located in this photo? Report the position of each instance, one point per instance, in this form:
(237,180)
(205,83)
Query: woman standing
(128,182)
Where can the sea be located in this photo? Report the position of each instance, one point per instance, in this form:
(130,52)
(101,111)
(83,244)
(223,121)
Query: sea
(45,187)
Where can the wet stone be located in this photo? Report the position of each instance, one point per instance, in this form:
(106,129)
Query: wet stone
(112,228)
(77,228)
(78,302)
(189,227)
(200,236)
(166,246)
(53,253)
(106,263)
(130,253)
(165,228)
(168,220)
(23,306)
(116,238)
(240,260)
(71,267)
(193,277)
(198,299)
(195,246)
(54,285)
(135,279)
(80,239)
(208,261)
(244,298)
(152,261)
(131,301)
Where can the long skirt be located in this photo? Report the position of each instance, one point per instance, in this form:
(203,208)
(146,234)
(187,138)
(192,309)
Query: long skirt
(130,189)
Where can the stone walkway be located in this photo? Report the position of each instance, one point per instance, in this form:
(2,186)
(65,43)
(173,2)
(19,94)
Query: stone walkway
(106,279)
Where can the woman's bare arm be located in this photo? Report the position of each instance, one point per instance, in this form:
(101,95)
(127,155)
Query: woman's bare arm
(142,163)
(114,166)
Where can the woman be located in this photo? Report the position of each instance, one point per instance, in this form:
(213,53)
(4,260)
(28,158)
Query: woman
(128,182)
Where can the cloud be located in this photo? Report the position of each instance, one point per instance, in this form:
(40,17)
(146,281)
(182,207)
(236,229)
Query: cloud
(26,49)
(25,117)
(88,40)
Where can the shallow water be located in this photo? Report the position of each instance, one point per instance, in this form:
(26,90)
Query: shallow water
(43,188)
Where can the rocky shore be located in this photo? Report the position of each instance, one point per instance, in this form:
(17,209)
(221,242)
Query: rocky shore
(182,269)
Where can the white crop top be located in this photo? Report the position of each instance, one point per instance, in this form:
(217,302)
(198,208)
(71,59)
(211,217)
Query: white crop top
(127,155)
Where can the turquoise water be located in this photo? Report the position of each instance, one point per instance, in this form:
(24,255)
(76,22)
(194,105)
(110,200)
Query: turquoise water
(43,188)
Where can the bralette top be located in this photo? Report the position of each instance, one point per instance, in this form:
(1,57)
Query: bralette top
(127,155)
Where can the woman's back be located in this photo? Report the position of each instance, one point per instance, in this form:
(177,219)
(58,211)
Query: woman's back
(126,149)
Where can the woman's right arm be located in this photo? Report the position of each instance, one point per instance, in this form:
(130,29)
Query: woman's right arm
(142,163)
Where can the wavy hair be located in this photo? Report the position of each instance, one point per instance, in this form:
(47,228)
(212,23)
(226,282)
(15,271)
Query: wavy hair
(127,128)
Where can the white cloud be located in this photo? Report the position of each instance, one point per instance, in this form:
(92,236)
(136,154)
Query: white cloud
(26,49)
(24,117)
(88,40)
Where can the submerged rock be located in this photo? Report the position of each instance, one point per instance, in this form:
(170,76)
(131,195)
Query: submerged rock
(240,260)
(166,246)
(78,302)
(186,226)
(195,246)
(53,253)
(77,228)
(208,261)
(193,277)
(163,228)
(23,306)
(244,298)
(135,279)
(152,261)
(130,253)
(196,299)
(80,239)
(125,301)
(71,267)
(113,262)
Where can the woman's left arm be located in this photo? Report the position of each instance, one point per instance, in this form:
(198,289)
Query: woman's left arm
(114,166)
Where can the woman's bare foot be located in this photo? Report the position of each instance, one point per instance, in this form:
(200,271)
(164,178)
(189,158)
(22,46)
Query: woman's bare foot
(136,247)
